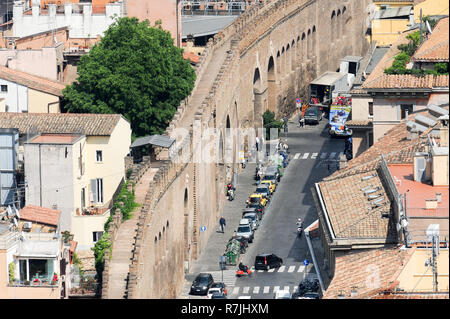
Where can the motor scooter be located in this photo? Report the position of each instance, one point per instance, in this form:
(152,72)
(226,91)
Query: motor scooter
(230,192)
(246,272)
(299,227)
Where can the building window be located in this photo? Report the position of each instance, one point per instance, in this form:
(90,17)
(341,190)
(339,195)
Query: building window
(96,235)
(99,156)
(405,109)
(370,108)
(97,190)
(4,88)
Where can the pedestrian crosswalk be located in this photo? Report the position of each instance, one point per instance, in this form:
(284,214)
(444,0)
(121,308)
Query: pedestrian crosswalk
(263,290)
(322,156)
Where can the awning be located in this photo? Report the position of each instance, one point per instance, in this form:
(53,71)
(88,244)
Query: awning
(393,12)
(38,249)
(157,140)
(328,78)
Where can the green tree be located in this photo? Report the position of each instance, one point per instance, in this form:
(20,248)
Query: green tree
(269,122)
(135,70)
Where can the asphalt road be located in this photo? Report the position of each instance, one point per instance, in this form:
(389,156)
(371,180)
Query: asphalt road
(310,149)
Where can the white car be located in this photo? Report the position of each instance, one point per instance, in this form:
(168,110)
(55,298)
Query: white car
(283,294)
(213,290)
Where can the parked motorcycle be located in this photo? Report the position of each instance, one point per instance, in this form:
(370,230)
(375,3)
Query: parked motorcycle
(230,192)
(299,227)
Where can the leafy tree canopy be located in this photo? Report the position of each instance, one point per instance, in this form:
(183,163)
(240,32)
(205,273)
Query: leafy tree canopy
(135,70)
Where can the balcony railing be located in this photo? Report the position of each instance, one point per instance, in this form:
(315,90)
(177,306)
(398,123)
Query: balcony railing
(35,283)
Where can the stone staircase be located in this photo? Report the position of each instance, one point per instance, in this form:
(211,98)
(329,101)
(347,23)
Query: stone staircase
(124,243)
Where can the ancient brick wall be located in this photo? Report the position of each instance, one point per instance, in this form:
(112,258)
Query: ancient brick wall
(275,49)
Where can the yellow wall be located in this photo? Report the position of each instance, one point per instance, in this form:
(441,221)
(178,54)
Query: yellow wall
(360,108)
(387,31)
(415,268)
(112,169)
(440,170)
(2,105)
(38,102)
(430,7)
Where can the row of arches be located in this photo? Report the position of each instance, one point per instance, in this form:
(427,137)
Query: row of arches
(337,21)
(160,241)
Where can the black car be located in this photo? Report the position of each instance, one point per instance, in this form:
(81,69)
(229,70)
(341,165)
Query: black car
(201,284)
(257,206)
(267,261)
(313,115)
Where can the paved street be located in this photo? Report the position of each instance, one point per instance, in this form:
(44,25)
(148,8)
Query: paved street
(313,156)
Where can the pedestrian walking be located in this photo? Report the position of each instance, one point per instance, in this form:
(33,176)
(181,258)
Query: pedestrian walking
(243,163)
(302,121)
(222,223)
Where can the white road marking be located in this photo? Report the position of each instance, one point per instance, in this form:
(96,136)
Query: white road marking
(245,290)
(236,290)
(271,270)
(266,289)
(276,288)
(287,288)
(301,268)
(291,269)
(297,156)
(340,154)
(332,155)
(305,156)
(314,155)
(281,269)
(323,155)
(256,290)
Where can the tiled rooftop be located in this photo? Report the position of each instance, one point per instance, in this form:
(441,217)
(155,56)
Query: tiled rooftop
(61,123)
(436,47)
(368,271)
(32,81)
(54,139)
(352,213)
(419,192)
(379,80)
(40,215)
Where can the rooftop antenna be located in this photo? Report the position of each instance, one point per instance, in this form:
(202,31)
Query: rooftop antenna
(433,236)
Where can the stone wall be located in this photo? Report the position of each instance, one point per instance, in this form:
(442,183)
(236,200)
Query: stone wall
(288,41)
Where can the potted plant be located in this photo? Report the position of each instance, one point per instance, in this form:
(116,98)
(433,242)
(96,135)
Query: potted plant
(55,279)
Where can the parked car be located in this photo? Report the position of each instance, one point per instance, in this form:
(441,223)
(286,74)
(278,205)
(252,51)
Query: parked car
(252,210)
(218,295)
(257,206)
(270,184)
(253,219)
(201,284)
(245,231)
(283,294)
(267,261)
(313,115)
(273,175)
(257,198)
(264,188)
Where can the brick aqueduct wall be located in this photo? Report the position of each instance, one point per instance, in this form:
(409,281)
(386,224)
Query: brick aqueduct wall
(273,51)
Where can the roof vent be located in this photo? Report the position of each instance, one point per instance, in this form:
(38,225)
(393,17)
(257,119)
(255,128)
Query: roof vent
(372,197)
(373,190)
(366,188)
(365,178)
(379,200)
(439,197)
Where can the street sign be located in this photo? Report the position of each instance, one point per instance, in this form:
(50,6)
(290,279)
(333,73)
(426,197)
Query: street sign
(306,262)
(203,228)
(299,101)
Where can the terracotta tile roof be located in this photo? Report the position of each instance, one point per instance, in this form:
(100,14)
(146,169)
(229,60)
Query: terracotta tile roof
(191,56)
(436,47)
(356,123)
(61,123)
(368,271)
(32,81)
(350,210)
(394,145)
(390,295)
(40,215)
(379,80)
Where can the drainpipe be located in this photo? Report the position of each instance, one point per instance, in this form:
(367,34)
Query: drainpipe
(316,265)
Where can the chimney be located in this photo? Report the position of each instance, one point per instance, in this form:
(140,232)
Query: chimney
(439,197)
(420,167)
(411,16)
(412,134)
(431,203)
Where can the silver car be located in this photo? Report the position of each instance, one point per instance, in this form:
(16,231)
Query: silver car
(245,231)
(253,219)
